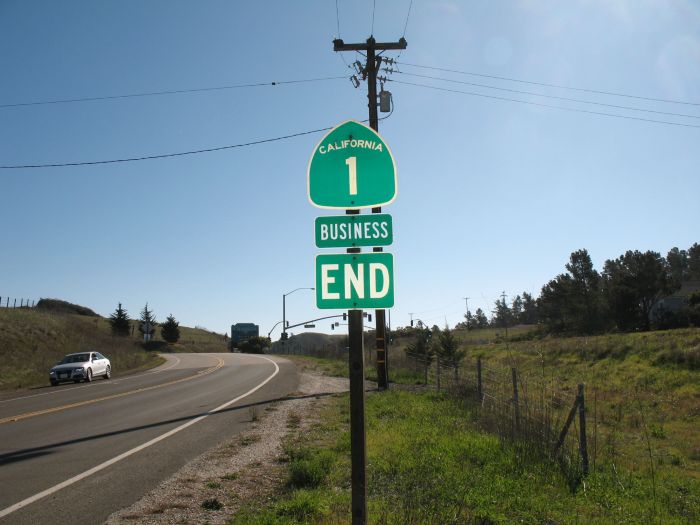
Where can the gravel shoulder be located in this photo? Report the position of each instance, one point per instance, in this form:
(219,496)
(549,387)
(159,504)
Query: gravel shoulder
(241,472)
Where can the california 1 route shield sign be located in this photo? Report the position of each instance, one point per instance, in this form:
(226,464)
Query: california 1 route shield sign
(351,168)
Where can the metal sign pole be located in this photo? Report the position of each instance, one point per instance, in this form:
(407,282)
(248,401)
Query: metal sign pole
(357,418)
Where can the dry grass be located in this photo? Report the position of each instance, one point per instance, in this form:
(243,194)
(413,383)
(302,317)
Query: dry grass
(32,341)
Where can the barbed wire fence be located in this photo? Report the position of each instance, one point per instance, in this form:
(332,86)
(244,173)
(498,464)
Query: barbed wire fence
(542,416)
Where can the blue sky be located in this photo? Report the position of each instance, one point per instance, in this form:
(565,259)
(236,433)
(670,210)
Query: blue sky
(493,195)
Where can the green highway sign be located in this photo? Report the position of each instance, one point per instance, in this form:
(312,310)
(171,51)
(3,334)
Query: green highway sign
(347,231)
(351,168)
(355,280)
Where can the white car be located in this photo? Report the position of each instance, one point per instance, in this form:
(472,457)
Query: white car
(82,366)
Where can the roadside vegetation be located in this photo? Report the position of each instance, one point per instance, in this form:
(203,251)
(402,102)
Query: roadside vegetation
(432,460)
(32,340)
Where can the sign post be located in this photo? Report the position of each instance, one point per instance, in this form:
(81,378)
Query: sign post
(352,168)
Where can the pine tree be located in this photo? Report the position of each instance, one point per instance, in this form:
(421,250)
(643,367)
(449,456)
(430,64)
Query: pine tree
(148,323)
(480,319)
(447,347)
(119,322)
(170,330)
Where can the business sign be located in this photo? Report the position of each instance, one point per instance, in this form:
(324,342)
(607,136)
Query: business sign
(348,231)
(355,280)
(351,168)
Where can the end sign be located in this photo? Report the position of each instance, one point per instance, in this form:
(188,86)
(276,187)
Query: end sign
(355,280)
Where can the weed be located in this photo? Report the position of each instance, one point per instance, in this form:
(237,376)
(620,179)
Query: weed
(213,485)
(232,476)
(308,469)
(212,504)
(657,431)
(293,420)
(250,439)
(253,413)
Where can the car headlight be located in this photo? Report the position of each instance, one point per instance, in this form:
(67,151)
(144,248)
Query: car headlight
(52,372)
(78,370)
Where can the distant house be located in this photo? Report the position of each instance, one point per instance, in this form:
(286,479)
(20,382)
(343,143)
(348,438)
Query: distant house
(675,302)
(243,331)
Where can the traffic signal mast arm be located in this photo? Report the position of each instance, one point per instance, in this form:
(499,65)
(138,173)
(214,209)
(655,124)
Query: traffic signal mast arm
(319,319)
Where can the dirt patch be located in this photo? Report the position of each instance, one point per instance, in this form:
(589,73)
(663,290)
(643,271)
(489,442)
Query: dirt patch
(240,472)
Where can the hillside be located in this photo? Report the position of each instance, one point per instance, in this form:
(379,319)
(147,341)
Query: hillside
(33,340)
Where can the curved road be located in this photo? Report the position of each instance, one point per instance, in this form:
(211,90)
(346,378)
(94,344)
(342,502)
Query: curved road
(76,453)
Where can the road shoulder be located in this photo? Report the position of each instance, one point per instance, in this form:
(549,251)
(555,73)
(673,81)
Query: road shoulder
(241,471)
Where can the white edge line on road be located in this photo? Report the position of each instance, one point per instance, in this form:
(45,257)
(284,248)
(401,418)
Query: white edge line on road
(110,462)
(116,381)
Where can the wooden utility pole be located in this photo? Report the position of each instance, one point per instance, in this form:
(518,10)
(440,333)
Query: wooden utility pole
(355,336)
(370,74)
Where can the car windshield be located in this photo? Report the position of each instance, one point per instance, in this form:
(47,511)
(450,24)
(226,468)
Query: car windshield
(75,358)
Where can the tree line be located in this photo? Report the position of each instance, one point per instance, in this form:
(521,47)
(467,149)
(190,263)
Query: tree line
(120,324)
(626,296)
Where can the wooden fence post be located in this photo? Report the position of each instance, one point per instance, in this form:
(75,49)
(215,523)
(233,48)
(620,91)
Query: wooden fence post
(583,445)
(14,305)
(479,386)
(567,424)
(438,372)
(516,405)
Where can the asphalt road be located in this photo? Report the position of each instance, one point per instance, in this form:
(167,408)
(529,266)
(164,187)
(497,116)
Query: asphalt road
(74,454)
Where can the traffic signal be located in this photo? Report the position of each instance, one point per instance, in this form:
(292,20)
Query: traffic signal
(284,336)
(345,316)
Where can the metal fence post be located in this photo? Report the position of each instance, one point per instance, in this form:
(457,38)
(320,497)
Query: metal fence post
(583,445)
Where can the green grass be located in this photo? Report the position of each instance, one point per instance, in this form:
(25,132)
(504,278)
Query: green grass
(637,386)
(429,462)
(430,459)
(32,341)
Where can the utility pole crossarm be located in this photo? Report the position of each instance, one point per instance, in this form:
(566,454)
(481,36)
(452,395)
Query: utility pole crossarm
(339,45)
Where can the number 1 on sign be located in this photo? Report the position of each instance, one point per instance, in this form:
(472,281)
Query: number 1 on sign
(352,174)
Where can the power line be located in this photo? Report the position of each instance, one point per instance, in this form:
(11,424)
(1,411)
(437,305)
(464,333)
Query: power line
(170,92)
(599,92)
(165,155)
(581,101)
(405,26)
(577,110)
(337,19)
(337,16)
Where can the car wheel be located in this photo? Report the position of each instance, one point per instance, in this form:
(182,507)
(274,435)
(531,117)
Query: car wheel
(88,375)
(54,382)
(108,372)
